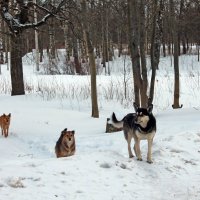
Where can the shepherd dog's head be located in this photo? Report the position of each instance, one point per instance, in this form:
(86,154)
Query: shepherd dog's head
(68,137)
(6,119)
(142,114)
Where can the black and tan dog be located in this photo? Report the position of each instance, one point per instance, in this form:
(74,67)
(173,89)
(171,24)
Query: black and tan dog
(140,125)
(5,124)
(65,146)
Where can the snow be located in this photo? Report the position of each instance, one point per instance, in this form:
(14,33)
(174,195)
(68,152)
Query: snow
(100,168)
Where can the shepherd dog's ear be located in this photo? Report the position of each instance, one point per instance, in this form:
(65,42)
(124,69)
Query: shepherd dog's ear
(4,114)
(64,131)
(135,106)
(150,108)
(9,115)
(73,132)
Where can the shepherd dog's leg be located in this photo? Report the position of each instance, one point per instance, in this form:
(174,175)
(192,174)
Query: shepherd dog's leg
(149,159)
(137,149)
(128,137)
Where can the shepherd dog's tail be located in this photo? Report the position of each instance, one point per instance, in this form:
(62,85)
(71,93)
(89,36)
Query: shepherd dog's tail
(114,121)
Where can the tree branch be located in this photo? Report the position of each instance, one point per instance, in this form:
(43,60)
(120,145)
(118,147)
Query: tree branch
(15,24)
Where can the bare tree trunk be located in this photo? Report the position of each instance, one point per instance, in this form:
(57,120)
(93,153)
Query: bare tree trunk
(103,62)
(184,43)
(16,65)
(41,46)
(95,110)
(134,43)
(164,36)
(155,43)
(37,58)
(52,40)
(76,56)
(108,50)
(176,71)
(144,97)
(7,46)
(65,29)
(176,56)
(2,42)
(119,38)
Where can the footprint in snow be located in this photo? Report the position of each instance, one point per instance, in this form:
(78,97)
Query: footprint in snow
(105,165)
(168,139)
(176,151)
(122,165)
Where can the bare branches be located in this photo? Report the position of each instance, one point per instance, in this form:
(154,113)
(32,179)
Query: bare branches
(19,20)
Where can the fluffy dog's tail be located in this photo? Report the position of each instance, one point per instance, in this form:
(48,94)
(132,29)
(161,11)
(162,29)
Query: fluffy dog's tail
(115,122)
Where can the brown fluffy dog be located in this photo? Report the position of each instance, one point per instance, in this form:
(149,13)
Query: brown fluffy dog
(65,146)
(5,123)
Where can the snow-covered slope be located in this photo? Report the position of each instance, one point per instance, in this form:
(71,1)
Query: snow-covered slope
(100,169)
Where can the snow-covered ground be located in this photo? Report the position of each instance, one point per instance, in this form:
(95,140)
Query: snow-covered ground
(101,169)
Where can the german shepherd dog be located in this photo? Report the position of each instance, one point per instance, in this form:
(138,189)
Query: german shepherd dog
(5,123)
(140,125)
(65,146)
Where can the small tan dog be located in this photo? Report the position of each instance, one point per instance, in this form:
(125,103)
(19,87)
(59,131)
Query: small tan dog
(65,146)
(5,123)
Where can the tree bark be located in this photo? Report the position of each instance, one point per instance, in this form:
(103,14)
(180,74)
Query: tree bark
(90,49)
(144,97)
(37,53)
(76,56)
(52,39)
(66,39)
(133,45)
(176,56)
(16,70)
(155,44)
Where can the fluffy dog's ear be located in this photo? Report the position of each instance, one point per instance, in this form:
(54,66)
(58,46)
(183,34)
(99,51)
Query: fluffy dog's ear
(150,108)
(65,130)
(9,115)
(4,114)
(135,106)
(73,132)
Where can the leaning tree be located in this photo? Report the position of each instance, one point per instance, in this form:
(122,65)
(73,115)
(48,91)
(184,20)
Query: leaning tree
(18,17)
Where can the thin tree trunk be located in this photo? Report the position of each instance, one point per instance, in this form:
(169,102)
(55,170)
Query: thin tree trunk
(176,56)
(155,44)
(52,39)
(184,44)
(76,57)
(144,97)
(65,29)
(176,71)
(164,38)
(41,46)
(37,56)
(95,110)
(103,44)
(133,44)
(119,38)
